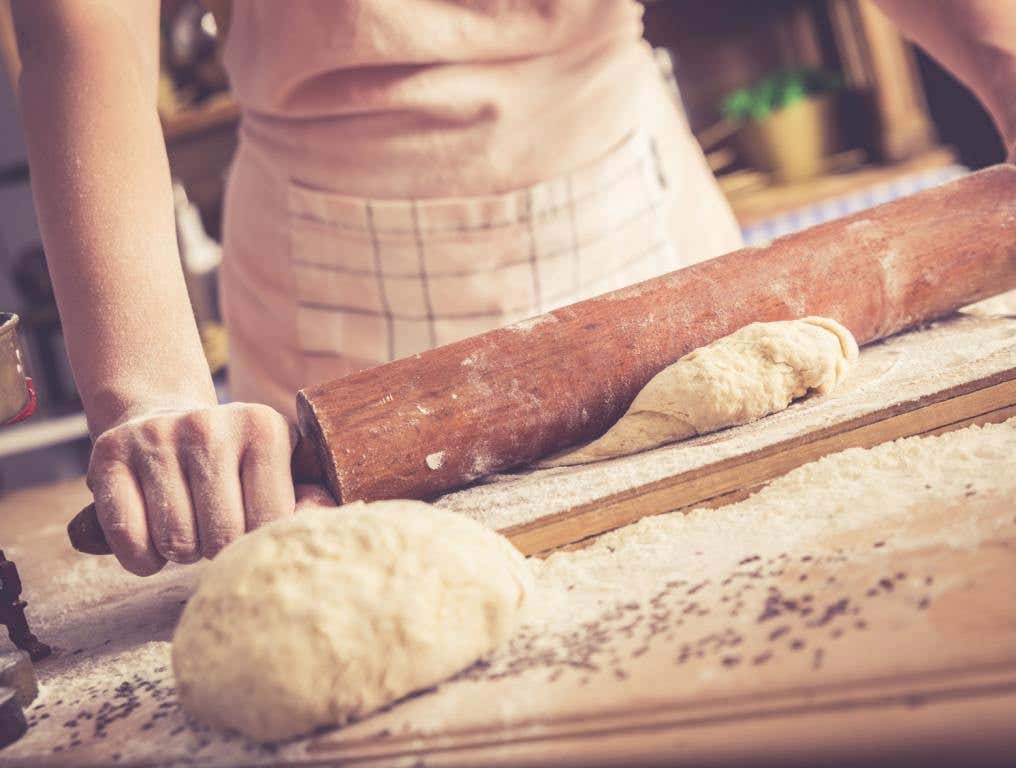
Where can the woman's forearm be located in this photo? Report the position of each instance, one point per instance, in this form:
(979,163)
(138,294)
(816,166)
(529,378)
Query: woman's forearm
(975,40)
(101,183)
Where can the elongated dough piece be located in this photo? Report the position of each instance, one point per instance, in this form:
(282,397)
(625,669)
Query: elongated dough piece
(755,371)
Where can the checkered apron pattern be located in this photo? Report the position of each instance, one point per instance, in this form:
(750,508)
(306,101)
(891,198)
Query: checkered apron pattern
(376,280)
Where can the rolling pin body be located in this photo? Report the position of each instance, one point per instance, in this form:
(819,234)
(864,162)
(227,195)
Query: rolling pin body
(435,421)
(425,424)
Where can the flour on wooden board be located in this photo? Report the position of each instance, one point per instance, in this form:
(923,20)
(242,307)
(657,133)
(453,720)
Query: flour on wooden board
(653,581)
(744,591)
(676,564)
(853,489)
(856,489)
(904,367)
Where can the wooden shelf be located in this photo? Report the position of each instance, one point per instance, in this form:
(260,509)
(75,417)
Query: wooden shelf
(752,205)
(220,112)
(200,144)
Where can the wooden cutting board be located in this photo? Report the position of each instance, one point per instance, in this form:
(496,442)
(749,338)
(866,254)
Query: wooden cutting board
(876,638)
(954,373)
(909,651)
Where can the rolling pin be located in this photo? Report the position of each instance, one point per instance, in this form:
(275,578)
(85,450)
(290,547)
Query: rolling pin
(425,424)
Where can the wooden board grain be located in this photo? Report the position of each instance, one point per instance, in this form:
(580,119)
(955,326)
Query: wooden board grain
(806,725)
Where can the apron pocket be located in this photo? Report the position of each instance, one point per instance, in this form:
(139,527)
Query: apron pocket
(381,279)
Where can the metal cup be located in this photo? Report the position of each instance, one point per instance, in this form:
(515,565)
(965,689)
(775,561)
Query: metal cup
(17,396)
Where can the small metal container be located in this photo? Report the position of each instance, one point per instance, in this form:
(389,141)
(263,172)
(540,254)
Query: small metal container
(17,396)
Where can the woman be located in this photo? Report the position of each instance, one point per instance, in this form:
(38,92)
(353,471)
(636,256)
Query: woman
(409,173)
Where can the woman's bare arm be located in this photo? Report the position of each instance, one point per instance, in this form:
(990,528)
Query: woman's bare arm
(174,475)
(101,182)
(976,41)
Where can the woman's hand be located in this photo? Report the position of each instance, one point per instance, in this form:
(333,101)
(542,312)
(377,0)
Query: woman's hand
(181,484)
(175,476)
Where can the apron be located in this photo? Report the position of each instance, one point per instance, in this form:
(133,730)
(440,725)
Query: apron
(317,285)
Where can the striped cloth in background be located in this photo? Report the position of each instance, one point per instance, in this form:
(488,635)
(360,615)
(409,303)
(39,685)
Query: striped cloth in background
(765,231)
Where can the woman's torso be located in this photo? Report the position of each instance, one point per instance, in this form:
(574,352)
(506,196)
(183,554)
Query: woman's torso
(419,98)
(457,111)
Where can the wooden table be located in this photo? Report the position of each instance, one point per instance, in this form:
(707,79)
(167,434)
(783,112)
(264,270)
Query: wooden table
(871,654)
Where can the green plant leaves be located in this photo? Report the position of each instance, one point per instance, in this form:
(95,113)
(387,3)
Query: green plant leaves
(776,91)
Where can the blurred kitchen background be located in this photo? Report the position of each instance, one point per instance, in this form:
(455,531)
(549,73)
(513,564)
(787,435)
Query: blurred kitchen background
(807,110)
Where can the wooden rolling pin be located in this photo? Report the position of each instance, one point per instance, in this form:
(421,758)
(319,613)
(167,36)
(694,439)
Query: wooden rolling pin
(438,420)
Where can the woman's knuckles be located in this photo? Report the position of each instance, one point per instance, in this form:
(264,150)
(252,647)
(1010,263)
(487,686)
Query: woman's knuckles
(172,456)
(213,427)
(265,423)
(209,456)
(152,431)
(107,450)
(196,427)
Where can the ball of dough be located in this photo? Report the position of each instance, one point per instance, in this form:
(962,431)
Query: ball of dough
(333,613)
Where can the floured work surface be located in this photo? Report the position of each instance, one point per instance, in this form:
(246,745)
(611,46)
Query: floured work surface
(862,605)
(956,372)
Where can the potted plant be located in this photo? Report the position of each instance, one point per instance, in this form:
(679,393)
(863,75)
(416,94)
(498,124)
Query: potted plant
(787,122)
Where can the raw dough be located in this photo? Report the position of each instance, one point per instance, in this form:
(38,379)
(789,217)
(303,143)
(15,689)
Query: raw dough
(754,371)
(333,613)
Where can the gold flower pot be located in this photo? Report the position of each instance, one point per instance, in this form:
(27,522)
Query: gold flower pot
(792,143)
(17,398)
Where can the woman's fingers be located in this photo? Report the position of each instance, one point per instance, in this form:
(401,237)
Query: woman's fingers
(182,485)
(217,500)
(171,522)
(120,508)
(207,447)
(264,467)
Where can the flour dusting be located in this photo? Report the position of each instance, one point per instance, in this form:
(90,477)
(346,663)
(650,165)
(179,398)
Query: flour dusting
(788,587)
(787,582)
(532,322)
(861,549)
(854,492)
(900,369)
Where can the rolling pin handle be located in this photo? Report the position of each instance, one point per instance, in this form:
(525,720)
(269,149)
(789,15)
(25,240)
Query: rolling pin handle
(305,465)
(86,534)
